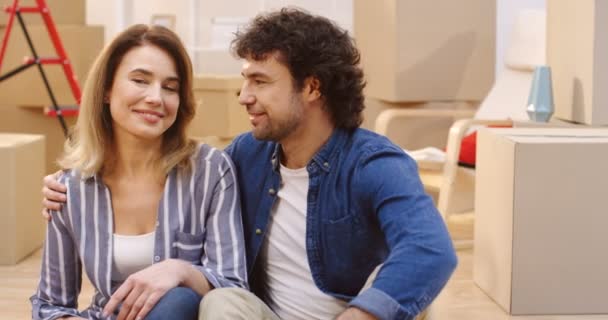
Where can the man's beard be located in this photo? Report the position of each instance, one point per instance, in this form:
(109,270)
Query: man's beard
(283,127)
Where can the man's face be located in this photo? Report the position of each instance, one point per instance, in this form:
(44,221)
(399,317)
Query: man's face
(275,109)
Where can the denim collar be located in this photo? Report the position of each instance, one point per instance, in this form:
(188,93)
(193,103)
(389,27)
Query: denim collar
(323,158)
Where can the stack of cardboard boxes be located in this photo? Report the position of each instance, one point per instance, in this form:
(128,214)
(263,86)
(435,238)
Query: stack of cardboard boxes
(219,116)
(540,193)
(21,168)
(540,219)
(577,47)
(30,140)
(23,97)
(430,54)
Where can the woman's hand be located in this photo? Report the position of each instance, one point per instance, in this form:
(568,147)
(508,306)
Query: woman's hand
(142,290)
(353,313)
(54,194)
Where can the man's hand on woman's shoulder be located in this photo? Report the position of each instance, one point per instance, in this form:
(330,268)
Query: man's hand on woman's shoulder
(53,194)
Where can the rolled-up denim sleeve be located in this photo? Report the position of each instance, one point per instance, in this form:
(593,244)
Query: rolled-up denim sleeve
(421,257)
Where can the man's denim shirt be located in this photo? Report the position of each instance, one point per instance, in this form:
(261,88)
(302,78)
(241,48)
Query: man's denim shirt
(366,206)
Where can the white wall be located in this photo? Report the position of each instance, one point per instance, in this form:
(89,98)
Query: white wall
(205,26)
(117,14)
(506,12)
(105,13)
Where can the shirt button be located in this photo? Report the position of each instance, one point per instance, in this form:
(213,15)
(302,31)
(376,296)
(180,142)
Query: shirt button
(326,164)
(35,302)
(157,258)
(258,231)
(271,191)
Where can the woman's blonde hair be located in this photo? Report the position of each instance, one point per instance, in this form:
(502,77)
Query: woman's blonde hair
(91,141)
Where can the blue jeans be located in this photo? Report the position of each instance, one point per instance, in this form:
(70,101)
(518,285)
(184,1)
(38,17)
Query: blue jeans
(177,303)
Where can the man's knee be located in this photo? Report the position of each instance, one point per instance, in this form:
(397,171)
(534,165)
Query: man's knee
(224,295)
(218,302)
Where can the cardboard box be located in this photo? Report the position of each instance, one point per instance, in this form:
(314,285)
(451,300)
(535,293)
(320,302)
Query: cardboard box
(577,48)
(218,110)
(62,12)
(540,219)
(82,44)
(426,50)
(214,141)
(217,62)
(33,121)
(22,167)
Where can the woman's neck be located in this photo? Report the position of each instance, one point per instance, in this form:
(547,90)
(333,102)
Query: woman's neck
(135,158)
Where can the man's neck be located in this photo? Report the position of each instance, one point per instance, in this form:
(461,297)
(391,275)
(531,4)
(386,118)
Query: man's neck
(300,146)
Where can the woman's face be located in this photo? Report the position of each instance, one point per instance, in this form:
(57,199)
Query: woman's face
(144,97)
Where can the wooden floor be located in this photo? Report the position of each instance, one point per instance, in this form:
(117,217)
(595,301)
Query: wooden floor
(460,300)
(463,300)
(18,283)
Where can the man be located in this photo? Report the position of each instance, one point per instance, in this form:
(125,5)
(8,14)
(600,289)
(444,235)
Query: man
(324,202)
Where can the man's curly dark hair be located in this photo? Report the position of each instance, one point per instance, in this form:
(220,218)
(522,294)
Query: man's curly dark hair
(310,46)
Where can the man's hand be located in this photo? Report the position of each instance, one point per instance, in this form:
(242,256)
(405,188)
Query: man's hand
(53,193)
(142,290)
(353,313)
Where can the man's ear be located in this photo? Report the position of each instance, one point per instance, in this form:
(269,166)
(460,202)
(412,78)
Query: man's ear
(312,89)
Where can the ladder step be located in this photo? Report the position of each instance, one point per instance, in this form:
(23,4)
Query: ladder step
(66,111)
(9,9)
(41,8)
(51,60)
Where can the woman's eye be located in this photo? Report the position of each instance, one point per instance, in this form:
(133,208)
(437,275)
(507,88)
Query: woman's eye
(140,81)
(174,87)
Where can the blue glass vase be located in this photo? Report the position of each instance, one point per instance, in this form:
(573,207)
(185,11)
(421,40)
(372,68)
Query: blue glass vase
(540,102)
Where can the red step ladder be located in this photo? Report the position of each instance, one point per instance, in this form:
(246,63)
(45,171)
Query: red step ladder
(15,10)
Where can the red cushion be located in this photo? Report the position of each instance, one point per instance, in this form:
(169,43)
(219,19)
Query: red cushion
(468,147)
(467,150)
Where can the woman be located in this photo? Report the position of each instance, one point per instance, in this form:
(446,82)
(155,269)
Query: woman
(153,218)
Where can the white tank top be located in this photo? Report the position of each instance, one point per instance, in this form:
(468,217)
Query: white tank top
(131,254)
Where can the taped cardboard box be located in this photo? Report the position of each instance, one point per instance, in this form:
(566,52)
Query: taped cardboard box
(577,47)
(218,110)
(22,169)
(426,50)
(33,121)
(540,219)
